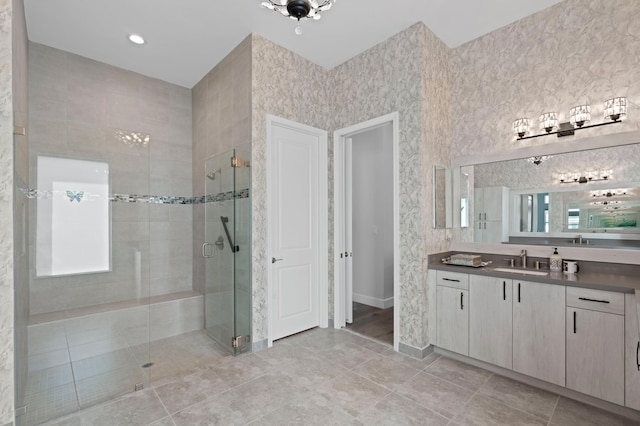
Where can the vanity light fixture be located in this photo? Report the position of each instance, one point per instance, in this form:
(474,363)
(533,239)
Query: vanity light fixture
(299,9)
(610,193)
(605,203)
(615,110)
(584,178)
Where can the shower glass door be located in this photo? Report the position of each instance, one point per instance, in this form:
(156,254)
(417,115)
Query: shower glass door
(227,250)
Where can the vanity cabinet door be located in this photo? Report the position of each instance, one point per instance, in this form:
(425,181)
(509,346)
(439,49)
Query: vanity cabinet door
(494,199)
(490,320)
(452,319)
(490,214)
(595,359)
(631,353)
(538,330)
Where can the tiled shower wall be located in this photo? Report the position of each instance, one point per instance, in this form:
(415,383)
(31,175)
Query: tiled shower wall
(221,121)
(75,105)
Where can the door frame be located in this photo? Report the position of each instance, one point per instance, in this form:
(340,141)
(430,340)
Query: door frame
(323,218)
(339,137)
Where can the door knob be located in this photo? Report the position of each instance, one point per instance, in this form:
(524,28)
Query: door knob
(274,260)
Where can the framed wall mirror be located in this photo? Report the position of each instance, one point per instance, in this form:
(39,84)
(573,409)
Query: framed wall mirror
(589,195)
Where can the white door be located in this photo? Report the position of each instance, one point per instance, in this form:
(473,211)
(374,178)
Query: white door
(294,229)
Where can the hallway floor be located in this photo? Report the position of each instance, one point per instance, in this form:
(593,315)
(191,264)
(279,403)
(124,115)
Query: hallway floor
(373,322)
(334,377)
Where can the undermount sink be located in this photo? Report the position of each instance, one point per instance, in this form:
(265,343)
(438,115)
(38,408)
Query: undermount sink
(521,271)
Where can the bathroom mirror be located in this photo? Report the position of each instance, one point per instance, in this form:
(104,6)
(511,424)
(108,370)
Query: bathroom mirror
(559,192)
(603,210)
(442,217)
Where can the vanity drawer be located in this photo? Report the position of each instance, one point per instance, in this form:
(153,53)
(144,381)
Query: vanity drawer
(453,279)
(596,300)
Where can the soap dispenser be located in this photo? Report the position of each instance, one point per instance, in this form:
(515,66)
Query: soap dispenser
(555,261)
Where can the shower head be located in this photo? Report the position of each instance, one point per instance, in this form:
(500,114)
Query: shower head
(212,175)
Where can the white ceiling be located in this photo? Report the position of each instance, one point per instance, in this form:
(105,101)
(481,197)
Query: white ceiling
(187,38)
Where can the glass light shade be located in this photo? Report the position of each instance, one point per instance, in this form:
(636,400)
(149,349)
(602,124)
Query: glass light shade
(521,127)
(580,115)
(549,121)
(615,108)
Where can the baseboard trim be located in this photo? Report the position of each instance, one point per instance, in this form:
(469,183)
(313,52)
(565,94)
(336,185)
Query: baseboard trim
(415,352)
(540,384)
(259,345)
(373,301)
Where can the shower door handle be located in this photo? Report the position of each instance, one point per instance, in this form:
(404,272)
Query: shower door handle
(224,220)
(204,251)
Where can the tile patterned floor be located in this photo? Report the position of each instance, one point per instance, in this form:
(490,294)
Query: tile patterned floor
(330,377)
(71,369)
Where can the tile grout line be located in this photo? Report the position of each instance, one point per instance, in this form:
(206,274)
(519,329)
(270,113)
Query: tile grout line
(555,407)
(163,406)
(466,404)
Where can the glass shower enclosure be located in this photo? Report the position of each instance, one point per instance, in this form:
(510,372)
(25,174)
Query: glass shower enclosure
(227,250)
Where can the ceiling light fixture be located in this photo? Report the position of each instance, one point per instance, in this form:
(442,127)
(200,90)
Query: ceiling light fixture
(299,9)
(136,39)
(615,109)
(538,159)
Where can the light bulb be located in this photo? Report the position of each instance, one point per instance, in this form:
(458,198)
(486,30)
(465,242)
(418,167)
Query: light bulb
(298,30)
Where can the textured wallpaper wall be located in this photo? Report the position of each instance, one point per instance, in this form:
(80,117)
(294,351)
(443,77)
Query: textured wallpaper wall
(391,76)
(407,73)
(6,215)
(574,52)
(280,86)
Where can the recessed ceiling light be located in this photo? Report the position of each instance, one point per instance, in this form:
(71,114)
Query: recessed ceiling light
(135,38)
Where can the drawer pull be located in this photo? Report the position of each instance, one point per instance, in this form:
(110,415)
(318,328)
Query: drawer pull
(451,279)
(461,301)
(593,300)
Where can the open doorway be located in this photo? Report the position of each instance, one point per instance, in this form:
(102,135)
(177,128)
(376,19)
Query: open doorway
(365,226)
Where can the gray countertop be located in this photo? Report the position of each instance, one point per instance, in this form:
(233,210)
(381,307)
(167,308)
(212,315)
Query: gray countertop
(587,279)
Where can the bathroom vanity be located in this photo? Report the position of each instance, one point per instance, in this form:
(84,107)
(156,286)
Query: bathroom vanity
(578,331)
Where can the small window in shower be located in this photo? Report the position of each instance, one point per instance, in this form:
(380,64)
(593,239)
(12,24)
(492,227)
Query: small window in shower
(72,221)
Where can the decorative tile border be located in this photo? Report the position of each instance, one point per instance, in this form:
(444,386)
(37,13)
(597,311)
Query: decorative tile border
(153,199)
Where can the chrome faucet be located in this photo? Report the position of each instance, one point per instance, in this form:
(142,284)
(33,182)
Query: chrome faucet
(523,258)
